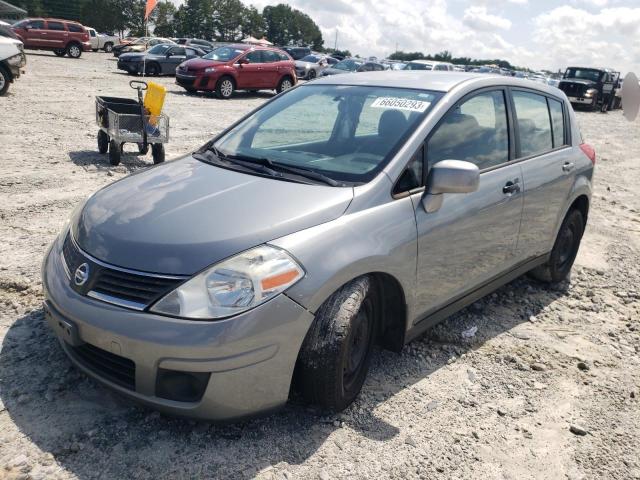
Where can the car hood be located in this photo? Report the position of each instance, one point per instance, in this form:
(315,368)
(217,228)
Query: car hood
(577,81)
(201,63)
(185,215)
(133,56)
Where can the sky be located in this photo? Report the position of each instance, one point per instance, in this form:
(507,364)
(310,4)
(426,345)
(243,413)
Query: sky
(533,33)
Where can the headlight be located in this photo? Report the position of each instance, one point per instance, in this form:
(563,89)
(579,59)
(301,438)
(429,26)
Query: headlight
(307,66)
(15,60)
(591,92)
(209,70)
(233,285)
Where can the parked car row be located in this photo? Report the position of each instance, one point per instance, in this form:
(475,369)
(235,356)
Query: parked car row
(161,59)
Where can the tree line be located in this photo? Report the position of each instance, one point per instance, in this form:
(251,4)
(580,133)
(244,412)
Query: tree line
(217,20)
(446,56)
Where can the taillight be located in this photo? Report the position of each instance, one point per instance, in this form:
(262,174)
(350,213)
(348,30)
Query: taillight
(589,151)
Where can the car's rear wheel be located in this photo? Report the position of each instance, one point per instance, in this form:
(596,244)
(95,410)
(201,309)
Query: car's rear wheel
(108,47)
(74,50)
(564,250)
(152,69)
(225,88)
(334,359)
(115,153)
(60,52)
(103,142)
(284,84)
(5,80)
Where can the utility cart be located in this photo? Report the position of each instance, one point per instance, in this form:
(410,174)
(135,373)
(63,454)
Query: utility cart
(126,120)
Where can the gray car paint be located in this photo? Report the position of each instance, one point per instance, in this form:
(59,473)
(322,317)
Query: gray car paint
(167,62)
(336,234)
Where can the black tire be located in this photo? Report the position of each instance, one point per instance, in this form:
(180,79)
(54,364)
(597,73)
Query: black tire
(157,151)
(225,88)
(143,149)
(285,83)
(74,50)
(103,142)
(152,69)
(94,49)
(5,80)
(335,355)
(311,75)
(115,153)
(108,47)
(564,250)
(60,52)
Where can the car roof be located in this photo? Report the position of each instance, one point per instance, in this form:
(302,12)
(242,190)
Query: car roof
(47,19)
(441,81)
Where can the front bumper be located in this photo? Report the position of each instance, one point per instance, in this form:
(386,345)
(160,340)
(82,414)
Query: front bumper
(194,81)
(581,100)
(250,357)
(130,67)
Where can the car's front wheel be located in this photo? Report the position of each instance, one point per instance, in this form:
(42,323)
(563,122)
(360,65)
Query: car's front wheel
(153,69)
(5,79)
(565,250)
(108,47)
(225,88)
(334,359)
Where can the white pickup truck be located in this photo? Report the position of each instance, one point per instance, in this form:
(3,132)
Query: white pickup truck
(100,41)
(12,61)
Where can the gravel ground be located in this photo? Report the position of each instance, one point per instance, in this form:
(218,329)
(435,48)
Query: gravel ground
(548,387)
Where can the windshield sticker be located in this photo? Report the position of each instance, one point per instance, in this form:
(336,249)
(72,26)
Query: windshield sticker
(400,104)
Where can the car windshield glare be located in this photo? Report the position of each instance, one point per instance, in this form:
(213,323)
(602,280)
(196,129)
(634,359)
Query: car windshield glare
(350,65)
(224,54)
(310,59)
(346,133)
(583,74)
(160,49)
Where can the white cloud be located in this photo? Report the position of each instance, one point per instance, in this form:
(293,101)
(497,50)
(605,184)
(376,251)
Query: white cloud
(479,18)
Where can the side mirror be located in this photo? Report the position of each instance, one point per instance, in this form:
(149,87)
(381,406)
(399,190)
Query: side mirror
(449,176)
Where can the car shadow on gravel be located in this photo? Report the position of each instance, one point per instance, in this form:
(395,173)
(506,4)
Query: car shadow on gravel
(237,96)
(131,159)
(93,432)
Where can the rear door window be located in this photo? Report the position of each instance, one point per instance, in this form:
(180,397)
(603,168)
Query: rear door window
(254,57)
(557,122)
(269,57)
(55,26)
(475,131)
(534,123)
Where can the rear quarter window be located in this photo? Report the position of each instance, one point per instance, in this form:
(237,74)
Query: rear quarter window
(557,123)
(76,28)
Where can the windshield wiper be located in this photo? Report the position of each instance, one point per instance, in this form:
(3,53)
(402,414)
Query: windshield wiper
(253,166)
(301,171)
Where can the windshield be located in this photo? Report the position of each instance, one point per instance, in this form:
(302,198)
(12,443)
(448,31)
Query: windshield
(417,66)
(349,65)
(160,49)
(583,74)
(346,133)
(310,59)
(224,54)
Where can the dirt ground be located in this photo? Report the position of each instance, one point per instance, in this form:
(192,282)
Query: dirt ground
(547,388)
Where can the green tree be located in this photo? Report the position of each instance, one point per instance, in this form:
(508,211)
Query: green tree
(228,17)
(288,26)
(253,23)
(163,19)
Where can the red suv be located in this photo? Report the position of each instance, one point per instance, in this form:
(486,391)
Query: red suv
(60,36)
(238,67)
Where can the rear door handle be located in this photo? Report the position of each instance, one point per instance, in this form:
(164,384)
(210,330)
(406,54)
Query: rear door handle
(511,187)
(568,166)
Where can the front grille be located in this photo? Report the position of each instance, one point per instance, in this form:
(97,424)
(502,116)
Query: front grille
(186,81)
(112,367)
(131,287)
(114,285)
(572,89)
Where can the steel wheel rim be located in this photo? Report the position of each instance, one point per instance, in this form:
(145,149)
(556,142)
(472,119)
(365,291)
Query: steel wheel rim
(226,88)
(109,48)
(358,345)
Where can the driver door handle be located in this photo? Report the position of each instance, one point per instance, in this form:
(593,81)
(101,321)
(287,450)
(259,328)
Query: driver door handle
(511,187)
(568,166)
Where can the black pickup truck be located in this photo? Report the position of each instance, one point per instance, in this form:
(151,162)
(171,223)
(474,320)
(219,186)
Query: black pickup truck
(591,87)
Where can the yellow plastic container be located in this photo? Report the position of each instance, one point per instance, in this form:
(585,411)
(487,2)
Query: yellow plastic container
(154,100)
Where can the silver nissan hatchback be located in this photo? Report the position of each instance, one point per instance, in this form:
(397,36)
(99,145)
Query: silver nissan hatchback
(342,213)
